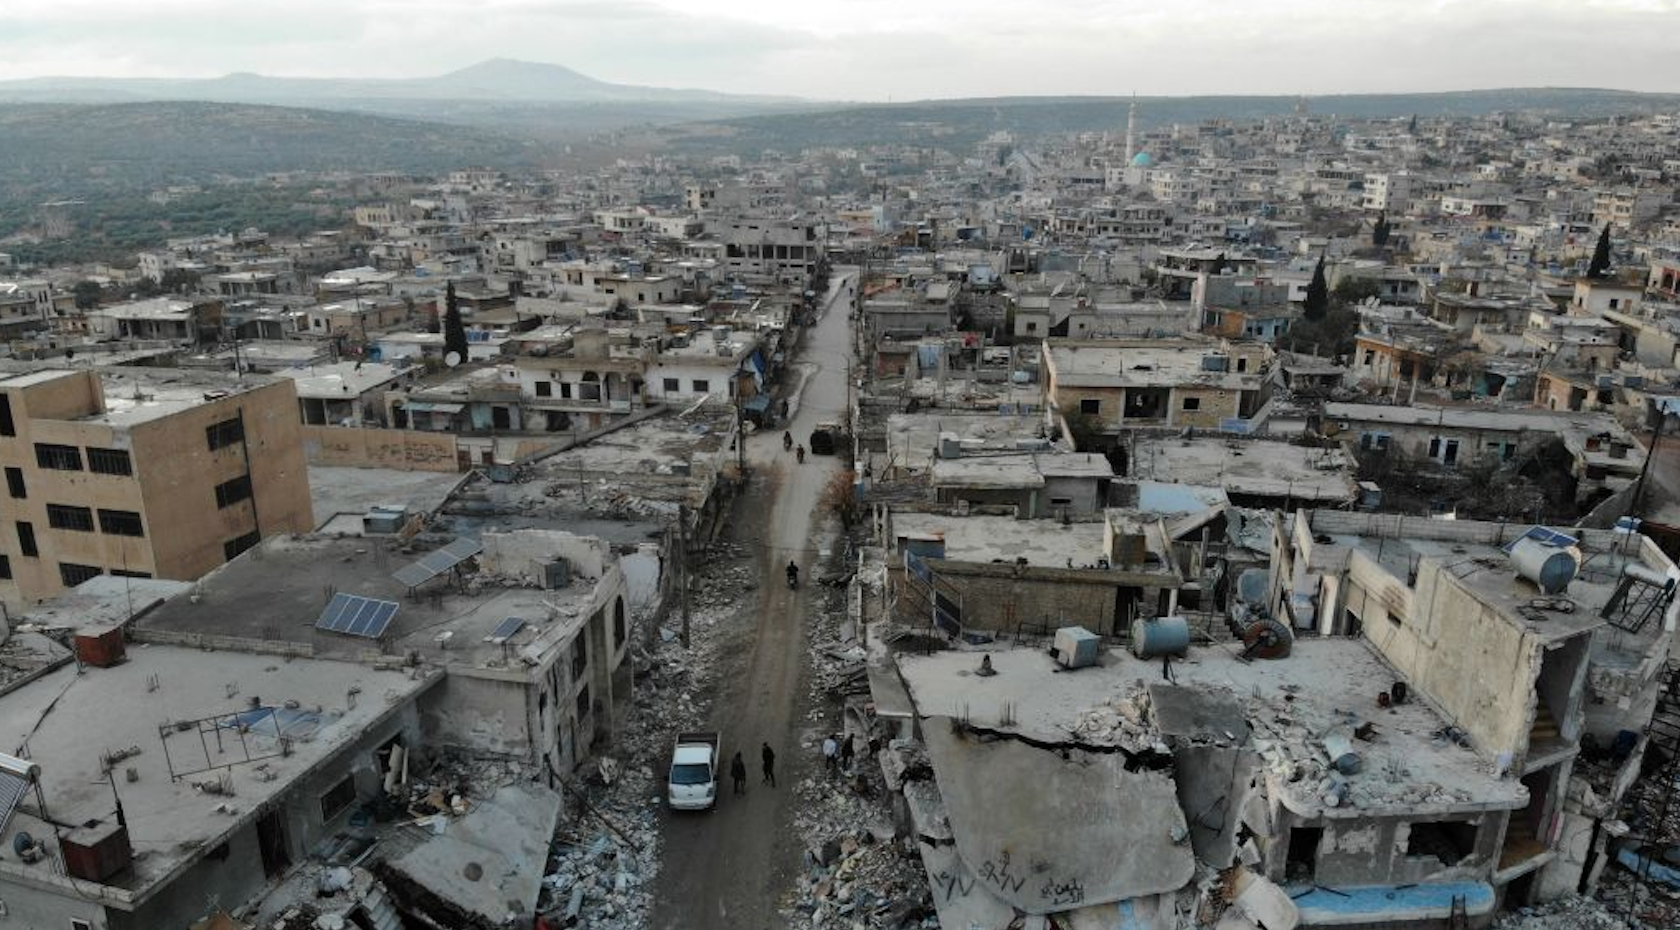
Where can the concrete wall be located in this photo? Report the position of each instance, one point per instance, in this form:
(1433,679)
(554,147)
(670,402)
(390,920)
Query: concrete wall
(28,907)
(997,597)
(1214,405)
(404,450)
(1476,667)
(484,714)
(1373,851)
(179,473)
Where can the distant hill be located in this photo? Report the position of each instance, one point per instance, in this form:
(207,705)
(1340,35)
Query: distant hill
(958,124)
(51,151)
(554,100)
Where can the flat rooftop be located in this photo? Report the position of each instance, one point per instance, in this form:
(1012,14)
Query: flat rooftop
(340,380)
(1256,468)
(275,592)
(913,438)
(139,395)
(1287,704)
(984,538)
(1108,366)
(67,719)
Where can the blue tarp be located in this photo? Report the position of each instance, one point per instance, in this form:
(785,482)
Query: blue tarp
(756,404)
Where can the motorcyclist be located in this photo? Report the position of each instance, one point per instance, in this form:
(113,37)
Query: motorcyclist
(793,574)
(800,454)
(787,440)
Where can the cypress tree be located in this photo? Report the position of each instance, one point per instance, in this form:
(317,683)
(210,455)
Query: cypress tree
(1318,294)
(454,333)
(1600,266)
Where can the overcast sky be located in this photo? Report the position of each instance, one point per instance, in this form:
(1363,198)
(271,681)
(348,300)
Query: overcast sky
(877,49)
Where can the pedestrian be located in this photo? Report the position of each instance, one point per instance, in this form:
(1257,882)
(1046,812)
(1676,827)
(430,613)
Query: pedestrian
(769,765)
(846,753)
(831,752)
(738,771)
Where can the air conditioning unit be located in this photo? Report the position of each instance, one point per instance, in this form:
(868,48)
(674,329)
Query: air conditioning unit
(1076,647)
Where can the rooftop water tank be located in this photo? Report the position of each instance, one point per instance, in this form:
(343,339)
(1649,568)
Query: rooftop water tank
(1153,637)
(1551,568)
(1076,647)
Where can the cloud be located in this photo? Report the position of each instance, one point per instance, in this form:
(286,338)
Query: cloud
(876,49)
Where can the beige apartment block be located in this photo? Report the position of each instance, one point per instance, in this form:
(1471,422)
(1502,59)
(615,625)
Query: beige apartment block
(151,473)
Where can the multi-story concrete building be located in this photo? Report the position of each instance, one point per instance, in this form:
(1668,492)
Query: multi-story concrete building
(145,473)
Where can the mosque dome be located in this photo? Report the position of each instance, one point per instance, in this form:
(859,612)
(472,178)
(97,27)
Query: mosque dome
(1142,160)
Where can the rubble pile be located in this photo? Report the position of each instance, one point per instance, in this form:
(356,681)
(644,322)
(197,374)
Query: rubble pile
(1571,913)
(1121,721)
(602,863)
(857,872)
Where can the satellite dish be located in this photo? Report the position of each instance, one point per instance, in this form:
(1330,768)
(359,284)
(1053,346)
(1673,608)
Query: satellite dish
(452,359)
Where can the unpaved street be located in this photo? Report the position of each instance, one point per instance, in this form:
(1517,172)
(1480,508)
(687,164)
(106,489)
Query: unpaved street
(723,869)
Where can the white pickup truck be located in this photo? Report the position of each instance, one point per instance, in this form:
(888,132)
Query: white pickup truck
(694,771)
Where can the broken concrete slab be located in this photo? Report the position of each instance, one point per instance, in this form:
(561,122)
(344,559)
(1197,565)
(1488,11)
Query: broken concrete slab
(1263,902)
(1213,784)
(489,864)
(1198,715)
(1105,833)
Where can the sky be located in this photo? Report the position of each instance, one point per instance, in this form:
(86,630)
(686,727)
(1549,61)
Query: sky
(870,50)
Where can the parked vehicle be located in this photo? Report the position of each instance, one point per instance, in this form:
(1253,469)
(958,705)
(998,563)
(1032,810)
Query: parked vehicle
(826,438)
(692,785)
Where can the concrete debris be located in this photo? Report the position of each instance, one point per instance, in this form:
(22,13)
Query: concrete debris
(1571,913)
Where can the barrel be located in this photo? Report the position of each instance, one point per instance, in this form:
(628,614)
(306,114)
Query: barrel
(1551,568)
(1160,636)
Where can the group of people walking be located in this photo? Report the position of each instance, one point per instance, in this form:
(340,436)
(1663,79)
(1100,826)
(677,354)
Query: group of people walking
(837,751)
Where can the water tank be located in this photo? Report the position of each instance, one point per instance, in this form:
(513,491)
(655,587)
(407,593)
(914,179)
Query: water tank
(1076,647)
(1153,637)
(1551,568)
(950,446)
(1251,586)
(557,574)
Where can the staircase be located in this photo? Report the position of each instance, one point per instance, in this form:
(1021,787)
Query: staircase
(925,598)
(1545,730)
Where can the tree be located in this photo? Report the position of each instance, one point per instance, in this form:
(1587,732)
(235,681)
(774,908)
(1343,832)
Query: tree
(87,294)
(454,333)
(1379,232)
(1600,266)
(1318,294)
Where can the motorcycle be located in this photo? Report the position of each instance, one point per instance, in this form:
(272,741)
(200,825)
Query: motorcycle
(800,455)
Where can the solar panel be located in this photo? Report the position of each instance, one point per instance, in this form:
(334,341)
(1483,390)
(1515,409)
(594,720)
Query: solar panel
(1545,536)
(12,789)
(438,561)
(504,631)
(414,575)
(353,615)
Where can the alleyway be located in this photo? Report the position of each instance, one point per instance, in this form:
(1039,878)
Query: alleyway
(722,869)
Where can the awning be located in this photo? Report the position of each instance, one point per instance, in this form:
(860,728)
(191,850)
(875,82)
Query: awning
(414,407)
(756,404)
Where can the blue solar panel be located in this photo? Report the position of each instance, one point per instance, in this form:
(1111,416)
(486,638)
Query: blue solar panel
(356,616)
(1545,536)
(504,631)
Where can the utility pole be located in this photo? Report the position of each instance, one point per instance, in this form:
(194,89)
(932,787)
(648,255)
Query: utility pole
(682,561)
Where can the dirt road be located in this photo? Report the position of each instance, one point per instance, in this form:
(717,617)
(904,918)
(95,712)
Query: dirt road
(723,869)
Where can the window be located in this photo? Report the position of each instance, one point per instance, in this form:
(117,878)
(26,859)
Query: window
(72,574)
(565,390)
(1192,403)
(580,658)
(26,539)
(224,434)
(1302,863)
(238,544)
(672,385)
(65,517)
(583,703)
(121,523)
(5,566)
(14,483)
(58,458)
(619,628)
(702,386)
(1032,327)
(1090,406)
(233,491)
(7,426)
(1370,357)
(124,573)
(109,461)
(338,798)
(76,923)
(1242,364)
(545,389)
(1448,841)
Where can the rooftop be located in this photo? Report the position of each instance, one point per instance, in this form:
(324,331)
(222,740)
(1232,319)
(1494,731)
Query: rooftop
(68,718)
(1283,708)
(340,380)
(981,538)
(273,594)
(1138,364)
(1257,468)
